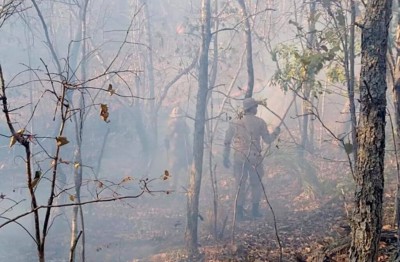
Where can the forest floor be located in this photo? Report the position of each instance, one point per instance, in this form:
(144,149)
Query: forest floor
(308,219)
(307,222)
(309,225)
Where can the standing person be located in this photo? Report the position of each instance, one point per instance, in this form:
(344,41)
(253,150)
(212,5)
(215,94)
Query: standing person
(179,152)
(246,133)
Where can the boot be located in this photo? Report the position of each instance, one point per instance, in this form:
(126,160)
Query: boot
(255,211)
(239,213)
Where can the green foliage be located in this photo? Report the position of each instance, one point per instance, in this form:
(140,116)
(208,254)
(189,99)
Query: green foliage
(299,65)
(336,74)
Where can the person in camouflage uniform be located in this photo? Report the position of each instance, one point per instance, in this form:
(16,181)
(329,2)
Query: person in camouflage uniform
(246,133)
(177,143)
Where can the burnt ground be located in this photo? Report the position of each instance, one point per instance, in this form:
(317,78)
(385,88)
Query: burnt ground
(309,217)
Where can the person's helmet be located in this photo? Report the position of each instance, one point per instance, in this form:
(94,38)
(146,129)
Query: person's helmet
(176,112)
(249,103)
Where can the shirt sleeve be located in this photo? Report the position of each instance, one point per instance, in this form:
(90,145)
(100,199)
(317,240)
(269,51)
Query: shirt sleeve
(266,136)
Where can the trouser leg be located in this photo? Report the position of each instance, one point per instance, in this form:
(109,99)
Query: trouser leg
(256,188)
(256,176)
(241,174)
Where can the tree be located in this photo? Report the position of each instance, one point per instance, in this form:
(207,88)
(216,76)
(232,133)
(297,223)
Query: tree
(367,215)
(249,50)
(307,124)
(396,101)
(199,128)
(345,32)
(70,92)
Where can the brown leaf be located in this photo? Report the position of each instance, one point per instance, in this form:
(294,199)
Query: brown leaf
(110,90)
(166,175)
(61,140)
(13,140)
(126,179)
(15,137)
(104,113)
(72,198)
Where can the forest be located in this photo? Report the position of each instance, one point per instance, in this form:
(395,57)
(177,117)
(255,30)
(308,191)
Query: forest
(212,130)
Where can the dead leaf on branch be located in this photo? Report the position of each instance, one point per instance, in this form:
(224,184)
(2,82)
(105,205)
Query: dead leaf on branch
(110,90)
(13,140)
(72,198)
(36,179)
(77,164)
(61,140)
(166,175)
(15,137)
(104,113)
(126,179)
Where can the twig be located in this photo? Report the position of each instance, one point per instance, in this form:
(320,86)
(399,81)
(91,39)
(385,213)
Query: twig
(273,217)
(111,199)
(73,247)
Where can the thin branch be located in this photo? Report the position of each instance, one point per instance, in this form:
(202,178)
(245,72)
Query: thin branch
(111,199)
(22,226)
(175,79)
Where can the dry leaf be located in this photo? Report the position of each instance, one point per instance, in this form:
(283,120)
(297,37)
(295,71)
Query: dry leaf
(100,184)
(166,175)
(72,198)
(104,113)
(110,90)
(77,165)
(13,139)
(36,178)
(126,179)
(61,140)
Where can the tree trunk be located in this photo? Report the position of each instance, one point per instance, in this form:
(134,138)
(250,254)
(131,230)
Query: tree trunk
(396,102)
(210,114)
(199,126)
(249,50)
(79,122)
(308,85)
(367,215)
(152,114)
(351,81)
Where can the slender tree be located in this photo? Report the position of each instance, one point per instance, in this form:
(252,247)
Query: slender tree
(346,35)
(367,215)
(152,114)
(199,128)
(396,102)
(249,50)
(308,84)
(79,127)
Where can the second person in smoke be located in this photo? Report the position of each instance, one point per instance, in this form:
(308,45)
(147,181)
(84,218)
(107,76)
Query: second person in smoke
(246,134)
(179,153)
